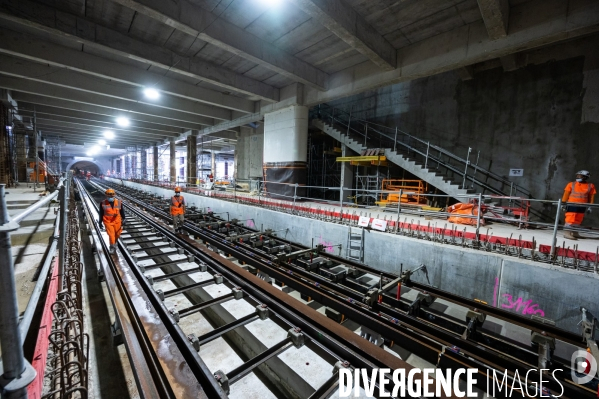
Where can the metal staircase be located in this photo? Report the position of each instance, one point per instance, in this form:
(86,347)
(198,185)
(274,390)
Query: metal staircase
(448,172)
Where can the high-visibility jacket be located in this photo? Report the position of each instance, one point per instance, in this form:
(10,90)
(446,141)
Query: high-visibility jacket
(580,192)
(177,204)
(111,212)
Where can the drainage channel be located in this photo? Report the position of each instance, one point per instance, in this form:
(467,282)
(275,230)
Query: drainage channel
(440,340)
(231,326)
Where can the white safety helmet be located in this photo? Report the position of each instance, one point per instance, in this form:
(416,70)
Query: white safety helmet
(584,173)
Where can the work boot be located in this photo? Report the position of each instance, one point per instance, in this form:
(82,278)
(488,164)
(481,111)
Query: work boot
(568,234)
(576,235)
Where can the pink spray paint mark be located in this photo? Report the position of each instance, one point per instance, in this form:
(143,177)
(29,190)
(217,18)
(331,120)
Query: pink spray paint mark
(328,246)
(519,304)
(250,223)
(495,292)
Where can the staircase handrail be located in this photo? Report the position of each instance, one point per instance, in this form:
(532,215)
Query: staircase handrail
(336,114)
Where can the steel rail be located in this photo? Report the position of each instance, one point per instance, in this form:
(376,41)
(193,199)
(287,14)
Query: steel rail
(282,277)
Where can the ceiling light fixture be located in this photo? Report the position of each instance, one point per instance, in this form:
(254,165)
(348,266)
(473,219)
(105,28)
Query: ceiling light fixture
(109,134)
(152,93)
(122,121)
(102,142)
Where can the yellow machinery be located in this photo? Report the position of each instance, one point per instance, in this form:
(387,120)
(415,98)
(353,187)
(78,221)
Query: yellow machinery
(412,187)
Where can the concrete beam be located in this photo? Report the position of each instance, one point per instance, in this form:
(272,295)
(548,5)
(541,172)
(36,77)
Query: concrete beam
(512,62)
(495,14)
(125,107)
(290,95)
(536,23)
(77,116)
(59,76)
(83,136)
(194,20)
(133,133)
(29,47)
(49,21)
(465,72)
(352,28)
(92,109)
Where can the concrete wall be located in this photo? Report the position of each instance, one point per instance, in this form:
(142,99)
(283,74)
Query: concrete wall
(542,117)
(522,286)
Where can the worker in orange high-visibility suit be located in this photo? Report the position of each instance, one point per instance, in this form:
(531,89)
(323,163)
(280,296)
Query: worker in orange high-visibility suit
(178,210)
(580,191)
(112,216)
(89,176)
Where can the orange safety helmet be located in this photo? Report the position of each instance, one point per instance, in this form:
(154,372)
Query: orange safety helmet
(177,189)
(109,192)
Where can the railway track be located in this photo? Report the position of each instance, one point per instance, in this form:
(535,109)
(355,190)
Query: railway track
(349,291)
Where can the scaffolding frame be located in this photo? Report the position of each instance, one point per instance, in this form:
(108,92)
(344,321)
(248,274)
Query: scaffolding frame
(53,155)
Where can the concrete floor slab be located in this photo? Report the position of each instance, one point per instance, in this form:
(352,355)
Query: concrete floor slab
(218,355)
(250,387)
(268,331)
(196,324)
(177,302)
(198,277)
(307,364)
(238,308)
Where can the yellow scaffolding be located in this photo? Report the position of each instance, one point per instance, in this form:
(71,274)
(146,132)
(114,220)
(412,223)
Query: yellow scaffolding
(412,187)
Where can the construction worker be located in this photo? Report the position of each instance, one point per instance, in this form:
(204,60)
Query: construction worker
(112,216)
(178,210)
(89,176)
(578,191)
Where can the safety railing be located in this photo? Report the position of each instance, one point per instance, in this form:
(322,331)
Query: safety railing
(464,170)
(12,333)
(430,221)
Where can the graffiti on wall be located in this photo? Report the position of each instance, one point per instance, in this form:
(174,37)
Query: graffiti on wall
(525,307)
(328,246)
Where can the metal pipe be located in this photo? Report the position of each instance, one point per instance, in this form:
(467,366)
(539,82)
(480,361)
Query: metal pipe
(25,322)
(475,169)
(366,135)
(399,207)
(554,235)
(428,146)
(294,196)
(62,236)
(13,361)
(466,169)
(480,199)
(36,206)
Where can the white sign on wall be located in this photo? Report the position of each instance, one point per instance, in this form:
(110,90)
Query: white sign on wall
(378,224)
(516,172)
(364,221)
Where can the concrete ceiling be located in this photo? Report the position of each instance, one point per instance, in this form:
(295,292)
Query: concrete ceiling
(221,64)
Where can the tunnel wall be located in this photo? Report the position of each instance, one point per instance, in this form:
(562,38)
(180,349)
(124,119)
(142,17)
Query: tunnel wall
(519,285)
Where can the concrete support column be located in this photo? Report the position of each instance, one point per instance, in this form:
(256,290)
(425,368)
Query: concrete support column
(347,174)
(144,163)
(213,164)
(173,161)
(249,152)
(286,151)
(192,158)
(155,162)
